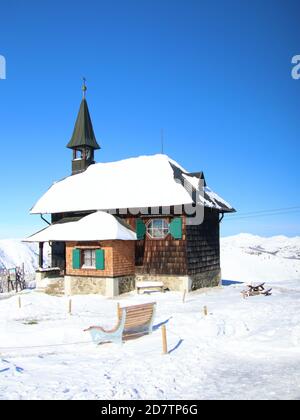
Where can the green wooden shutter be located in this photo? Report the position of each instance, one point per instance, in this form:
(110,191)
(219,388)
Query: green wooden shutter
(140,229)
(100,259)
(76,259)
(176,228)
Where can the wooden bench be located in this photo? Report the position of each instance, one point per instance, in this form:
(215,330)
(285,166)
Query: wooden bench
(147,285)
(133,322)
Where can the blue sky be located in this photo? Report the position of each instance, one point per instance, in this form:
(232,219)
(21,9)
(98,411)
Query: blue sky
(216,75)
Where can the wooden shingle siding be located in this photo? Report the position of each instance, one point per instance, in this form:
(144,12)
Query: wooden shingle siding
(203,245)
(197,252)
(161,256)
(118,259)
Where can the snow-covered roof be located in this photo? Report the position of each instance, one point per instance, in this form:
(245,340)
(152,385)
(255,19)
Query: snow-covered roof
(145,181)
(94,227)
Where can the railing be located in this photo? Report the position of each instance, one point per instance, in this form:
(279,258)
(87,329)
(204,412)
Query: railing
(12,279)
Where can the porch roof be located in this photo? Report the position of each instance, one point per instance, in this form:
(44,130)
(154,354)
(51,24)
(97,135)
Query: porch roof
(97,226)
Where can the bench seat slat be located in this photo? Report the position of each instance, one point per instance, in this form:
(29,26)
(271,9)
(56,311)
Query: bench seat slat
(139,316)
(136,324)
(140,308)
(138,320)
(140,312)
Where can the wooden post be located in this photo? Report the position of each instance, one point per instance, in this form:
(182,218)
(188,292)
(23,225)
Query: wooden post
(19,302)
(70,306)
(183,297)
(205,310)
(164,339)
(41,254)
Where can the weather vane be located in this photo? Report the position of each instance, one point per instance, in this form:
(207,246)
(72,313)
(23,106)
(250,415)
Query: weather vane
(84,88)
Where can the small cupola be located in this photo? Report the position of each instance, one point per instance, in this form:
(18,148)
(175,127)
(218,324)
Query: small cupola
(83,141)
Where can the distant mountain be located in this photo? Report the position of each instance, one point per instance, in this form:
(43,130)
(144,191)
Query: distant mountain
(244,257)
(13,253)
(251,258)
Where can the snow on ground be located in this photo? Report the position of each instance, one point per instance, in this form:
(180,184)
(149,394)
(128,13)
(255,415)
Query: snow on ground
(244,348)
(250,258)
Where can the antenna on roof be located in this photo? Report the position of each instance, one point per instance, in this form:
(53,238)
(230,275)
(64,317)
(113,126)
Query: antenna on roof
(162,140)
(84,88)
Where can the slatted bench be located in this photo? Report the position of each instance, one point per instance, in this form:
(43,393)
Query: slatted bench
(133,322)
(148,285)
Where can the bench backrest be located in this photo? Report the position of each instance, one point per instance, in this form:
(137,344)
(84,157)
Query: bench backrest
(138,316)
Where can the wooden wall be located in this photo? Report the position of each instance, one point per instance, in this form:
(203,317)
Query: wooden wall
(197,252)
(119,258)
(160,256)
(203,244)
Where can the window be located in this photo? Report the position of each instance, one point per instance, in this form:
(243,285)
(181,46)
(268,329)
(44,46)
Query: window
(89,258)
(158,228)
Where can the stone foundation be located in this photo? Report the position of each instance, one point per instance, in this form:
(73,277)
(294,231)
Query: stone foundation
(46,273)
(115,286)
(51,286)
(126,284)
(79,285)
(107,286)
(49,281)
(177,283)
(206,279)
(188,283)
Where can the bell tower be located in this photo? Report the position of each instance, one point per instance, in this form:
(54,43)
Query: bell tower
(83,141)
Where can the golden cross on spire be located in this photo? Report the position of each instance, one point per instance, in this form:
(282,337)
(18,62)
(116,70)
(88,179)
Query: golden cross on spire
(84,88)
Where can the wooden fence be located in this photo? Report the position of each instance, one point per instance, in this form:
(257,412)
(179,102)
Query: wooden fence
(12,279)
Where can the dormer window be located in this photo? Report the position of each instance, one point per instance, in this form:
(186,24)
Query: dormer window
(158,228)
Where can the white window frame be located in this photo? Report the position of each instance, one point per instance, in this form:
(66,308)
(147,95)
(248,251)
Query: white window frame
(150,230)
(91,263)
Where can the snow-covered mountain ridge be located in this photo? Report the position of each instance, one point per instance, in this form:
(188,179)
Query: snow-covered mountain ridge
(281,246)
(244,257)
(250,258)
(14,253)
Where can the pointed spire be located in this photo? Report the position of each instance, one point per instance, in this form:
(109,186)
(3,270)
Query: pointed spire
(83,134)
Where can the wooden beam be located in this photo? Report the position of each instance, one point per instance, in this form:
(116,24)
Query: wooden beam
(41,254)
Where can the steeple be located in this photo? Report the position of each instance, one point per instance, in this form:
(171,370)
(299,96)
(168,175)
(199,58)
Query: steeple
(83,141)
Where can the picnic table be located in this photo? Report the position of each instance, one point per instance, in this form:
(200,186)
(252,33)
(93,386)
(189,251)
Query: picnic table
(254,290)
